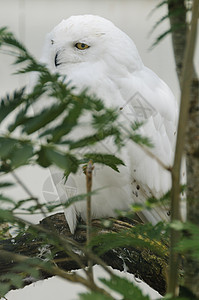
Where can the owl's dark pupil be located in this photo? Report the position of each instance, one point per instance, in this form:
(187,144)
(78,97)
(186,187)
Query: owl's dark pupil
(82,45)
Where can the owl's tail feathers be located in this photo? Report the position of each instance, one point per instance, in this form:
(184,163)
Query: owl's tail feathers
(65,192)
(71,218)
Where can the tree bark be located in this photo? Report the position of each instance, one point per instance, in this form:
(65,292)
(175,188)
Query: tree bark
(191,266)
(192,156)
(143,263)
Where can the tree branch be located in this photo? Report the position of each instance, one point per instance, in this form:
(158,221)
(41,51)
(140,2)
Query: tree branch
(89,170)
(143,263)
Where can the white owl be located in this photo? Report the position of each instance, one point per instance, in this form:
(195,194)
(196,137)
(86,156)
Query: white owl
(95,54)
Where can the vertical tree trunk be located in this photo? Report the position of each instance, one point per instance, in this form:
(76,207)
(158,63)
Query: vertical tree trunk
(192,137)
(178,23)
(192,156)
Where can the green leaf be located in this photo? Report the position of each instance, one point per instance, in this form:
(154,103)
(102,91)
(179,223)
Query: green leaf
(164,34)
(20,118)
(155,233)
(68,123)
(102,119)
(72,200)
(105,159)
(6,184)
(6,199)
(136,207)
(6,146)
(33,66)
(125,287)
(11,41)
(141,140)
(15,279)
(6,216)
(4,288)
(3,31)
(42,159)
(158,6)
(22,153)
(63,160)
(89,140)
(190,242)
(26,268)
(160,38)
(136,125)
(43,118)
(17,151)
(92,139)
(159,22)
(135,237)
(93,296)
(27,209)
(92,103)
(9,103)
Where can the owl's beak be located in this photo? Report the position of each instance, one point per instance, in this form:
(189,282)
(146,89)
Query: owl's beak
(57,63)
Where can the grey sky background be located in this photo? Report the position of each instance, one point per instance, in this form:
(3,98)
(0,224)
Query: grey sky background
(30,21)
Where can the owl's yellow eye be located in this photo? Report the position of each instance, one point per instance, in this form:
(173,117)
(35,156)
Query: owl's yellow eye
(81,46)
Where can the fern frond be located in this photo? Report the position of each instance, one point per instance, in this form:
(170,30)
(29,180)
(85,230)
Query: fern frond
(156,8)
(11,102)
(164,34)
(10,40)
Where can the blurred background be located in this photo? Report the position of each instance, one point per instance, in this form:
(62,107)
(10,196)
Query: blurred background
(31,21)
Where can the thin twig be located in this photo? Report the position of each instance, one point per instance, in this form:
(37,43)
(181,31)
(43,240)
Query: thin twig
(24,187)
(187,76)
(53,270)
(147,151)
(152,155)
(68,245)
(89,170)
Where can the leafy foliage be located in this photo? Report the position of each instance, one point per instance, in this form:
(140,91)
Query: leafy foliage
(107,159)
(172,13)
(190,240)
(53,123)
(6,184)
(93,295)
(134,237)
(119,285)
(125,288)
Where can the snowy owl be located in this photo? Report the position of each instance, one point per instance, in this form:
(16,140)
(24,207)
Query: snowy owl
(93,53)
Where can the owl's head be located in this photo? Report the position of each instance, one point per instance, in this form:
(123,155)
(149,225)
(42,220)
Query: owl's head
(86,40)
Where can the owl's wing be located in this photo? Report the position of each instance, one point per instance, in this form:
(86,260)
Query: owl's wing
(149,100)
